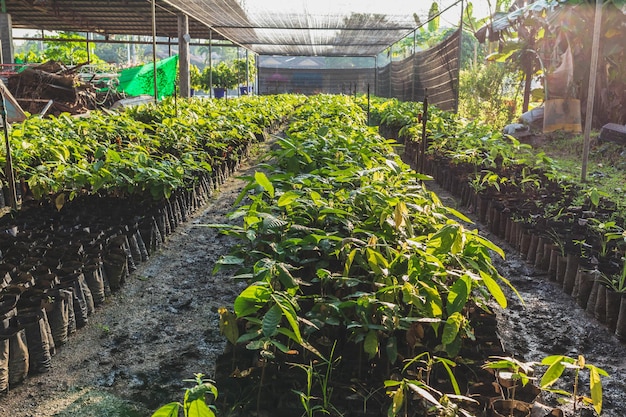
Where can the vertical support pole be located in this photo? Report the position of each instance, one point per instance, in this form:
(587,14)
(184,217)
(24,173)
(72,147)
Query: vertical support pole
(7,38)
(9,160)
(257,80)
(88,44)
(184,83)
(413,61)
(390,84)
(457,84)
(591,92)
(247,72)
(422,153)
(154,54)
(376,75)
(211,63)
(368,104)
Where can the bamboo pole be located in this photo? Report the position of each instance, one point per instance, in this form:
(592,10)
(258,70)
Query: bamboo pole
(597,25)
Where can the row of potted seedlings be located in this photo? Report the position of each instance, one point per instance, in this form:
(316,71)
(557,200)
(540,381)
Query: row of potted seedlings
(363,294)
(572,235)
(76,239)
(576,235)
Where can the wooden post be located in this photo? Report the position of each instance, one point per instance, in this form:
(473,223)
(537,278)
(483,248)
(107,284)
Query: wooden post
(184,82)
(597,24)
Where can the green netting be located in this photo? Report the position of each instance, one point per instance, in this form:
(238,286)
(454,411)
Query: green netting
(140,80)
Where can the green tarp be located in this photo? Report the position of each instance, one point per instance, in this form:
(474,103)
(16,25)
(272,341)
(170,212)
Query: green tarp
(139,80)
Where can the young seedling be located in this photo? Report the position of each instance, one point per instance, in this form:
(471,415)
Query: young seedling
(508,372)
(194,403)
(557,364)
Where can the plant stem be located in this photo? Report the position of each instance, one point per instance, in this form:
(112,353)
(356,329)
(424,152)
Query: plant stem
(575,389)
(258,397)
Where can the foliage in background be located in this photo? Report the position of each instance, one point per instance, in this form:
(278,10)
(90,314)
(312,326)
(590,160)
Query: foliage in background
(490,93)
(149,151)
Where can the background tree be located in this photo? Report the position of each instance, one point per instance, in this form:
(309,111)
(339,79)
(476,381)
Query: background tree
(433,17)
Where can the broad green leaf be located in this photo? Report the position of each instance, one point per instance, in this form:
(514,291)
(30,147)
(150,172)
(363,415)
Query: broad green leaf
(451,328)
(396,403)
(554,371)
(494,289)
(252,299)
(264,182)
(322,131)
(489,244)
(392,349)
(370,344)
(271,321)
(228,325)
(289,312)
(594,196)
(285,276)
(168,410)
(287,198)
(448,239)
(595,385)
(459,294)
(198,408)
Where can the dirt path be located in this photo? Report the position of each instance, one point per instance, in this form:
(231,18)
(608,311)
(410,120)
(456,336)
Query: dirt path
(163,327)
(550,322)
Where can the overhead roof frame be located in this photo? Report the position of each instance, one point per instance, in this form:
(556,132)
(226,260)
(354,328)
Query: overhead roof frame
(266,27)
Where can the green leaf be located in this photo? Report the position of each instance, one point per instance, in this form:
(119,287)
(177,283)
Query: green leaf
(595,385)
(392,349)
(396,403)
(494,289)
(554,371)
(252,299)
(285,276)
(489,244)
(288,198)
(322,131)
(370,344)
(448,239)
(198,408)
(168,410)
(446,364)
(264,182)
(271,321)
(451,328)
(288,310)
(228,325)
(459,294)
(594,196)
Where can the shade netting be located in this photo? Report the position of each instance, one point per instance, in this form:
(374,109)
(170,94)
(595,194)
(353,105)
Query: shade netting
(139,80)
